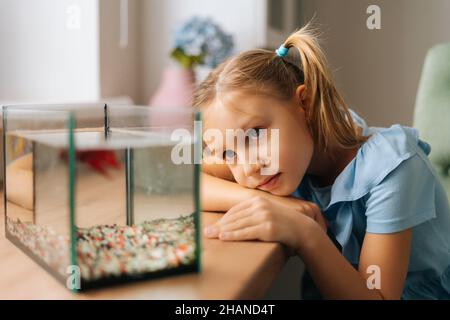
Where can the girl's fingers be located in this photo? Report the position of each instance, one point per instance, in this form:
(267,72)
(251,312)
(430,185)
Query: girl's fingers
(315,214)
(246,211)
(249,233)
(240,206)
(213,230)
(245,222)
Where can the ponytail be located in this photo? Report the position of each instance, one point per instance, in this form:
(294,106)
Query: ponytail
(328,114)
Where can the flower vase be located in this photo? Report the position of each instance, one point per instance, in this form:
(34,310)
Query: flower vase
(176,88)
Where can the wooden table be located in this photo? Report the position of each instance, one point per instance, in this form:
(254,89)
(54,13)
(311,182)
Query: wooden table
(231,270)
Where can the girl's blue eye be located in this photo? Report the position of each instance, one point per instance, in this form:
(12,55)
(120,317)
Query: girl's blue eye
(254,132)
(229,154)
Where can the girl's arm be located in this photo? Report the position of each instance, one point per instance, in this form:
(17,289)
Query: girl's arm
(384,257)
(220,195)
(220,192)
(382,270)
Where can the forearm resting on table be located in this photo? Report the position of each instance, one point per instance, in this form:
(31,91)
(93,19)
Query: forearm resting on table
(220,195)
(220,192)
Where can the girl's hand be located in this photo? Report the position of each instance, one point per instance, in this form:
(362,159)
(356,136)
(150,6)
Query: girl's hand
(260,218)
(305,207)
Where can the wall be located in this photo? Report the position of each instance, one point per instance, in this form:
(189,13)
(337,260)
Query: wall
(158,19)
(64,62)
(379,70)
(119,64)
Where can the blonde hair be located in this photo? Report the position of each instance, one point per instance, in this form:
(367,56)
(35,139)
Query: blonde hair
(265,72)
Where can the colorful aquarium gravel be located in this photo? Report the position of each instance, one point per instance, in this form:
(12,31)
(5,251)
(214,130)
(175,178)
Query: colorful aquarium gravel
(44,242)
(150,246)
(112,250)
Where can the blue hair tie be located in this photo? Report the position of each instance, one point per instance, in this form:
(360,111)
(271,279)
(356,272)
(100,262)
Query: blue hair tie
(282,51)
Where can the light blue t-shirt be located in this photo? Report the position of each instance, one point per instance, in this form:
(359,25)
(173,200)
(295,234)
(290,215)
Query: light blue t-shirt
(388,187)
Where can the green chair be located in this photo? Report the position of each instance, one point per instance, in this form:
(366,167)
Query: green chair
(432,110)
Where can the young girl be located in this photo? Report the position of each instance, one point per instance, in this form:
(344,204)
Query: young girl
(372,189)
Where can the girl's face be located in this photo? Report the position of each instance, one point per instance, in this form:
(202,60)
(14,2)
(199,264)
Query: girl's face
(251,111)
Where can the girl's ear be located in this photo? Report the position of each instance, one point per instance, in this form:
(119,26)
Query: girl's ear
(301,97)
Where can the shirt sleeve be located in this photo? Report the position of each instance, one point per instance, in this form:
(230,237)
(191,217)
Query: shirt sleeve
(403,199)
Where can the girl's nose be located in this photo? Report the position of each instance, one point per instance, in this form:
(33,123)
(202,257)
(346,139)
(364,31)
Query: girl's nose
(251,168)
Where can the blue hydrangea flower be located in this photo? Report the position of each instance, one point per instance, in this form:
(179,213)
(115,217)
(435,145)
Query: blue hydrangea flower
(201,37)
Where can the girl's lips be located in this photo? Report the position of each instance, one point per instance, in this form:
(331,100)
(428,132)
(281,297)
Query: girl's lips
(270,182)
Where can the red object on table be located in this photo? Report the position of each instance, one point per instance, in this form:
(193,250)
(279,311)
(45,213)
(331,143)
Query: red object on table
(98,160)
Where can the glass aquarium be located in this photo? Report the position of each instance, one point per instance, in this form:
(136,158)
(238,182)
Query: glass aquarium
(96,195)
